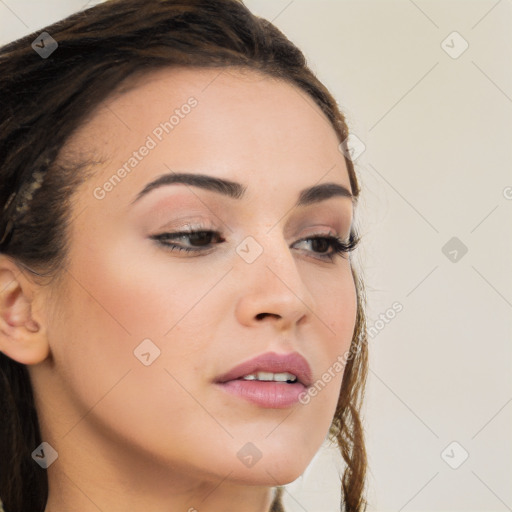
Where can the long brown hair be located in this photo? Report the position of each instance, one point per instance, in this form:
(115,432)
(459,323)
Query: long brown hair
(44,100)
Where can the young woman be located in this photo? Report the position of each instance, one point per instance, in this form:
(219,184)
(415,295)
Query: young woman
(181,325)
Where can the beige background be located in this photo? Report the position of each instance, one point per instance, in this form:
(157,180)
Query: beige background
(437,165)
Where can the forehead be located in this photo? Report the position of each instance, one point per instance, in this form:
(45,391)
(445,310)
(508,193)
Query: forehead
(234,123)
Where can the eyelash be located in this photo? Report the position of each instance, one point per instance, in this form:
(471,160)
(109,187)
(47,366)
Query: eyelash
(339,246)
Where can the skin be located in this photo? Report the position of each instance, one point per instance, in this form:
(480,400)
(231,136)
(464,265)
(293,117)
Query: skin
(164,437)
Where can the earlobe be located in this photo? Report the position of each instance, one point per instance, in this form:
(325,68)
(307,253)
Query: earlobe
(21,335)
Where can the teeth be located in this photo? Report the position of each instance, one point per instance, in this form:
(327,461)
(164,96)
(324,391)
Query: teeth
(269,376)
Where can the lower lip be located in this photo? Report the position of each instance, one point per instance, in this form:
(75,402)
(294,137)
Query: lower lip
(274,395)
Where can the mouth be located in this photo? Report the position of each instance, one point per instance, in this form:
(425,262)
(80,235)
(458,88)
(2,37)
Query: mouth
(289,378)
(270,380)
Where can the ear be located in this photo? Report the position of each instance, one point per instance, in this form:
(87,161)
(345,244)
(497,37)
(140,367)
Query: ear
(22,337)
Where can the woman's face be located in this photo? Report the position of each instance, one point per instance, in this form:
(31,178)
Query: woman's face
(140,330)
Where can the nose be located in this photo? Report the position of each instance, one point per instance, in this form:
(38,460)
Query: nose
(273,290)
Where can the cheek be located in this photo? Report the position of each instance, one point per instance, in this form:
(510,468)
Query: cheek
(109,308)
(144,291)
(112,304)
(335,299)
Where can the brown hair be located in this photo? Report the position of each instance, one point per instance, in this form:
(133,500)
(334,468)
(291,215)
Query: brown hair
(44,100)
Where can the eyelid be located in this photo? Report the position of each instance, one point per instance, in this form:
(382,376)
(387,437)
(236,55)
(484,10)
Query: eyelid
(321,215)
(187,227)
(176,247)
(319,231)
(347,243)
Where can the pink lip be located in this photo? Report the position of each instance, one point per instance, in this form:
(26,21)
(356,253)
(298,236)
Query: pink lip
(268,394)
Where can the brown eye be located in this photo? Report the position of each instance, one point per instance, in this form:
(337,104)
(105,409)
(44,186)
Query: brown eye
(327,247)
(321,244)
(189,241)
(200,238)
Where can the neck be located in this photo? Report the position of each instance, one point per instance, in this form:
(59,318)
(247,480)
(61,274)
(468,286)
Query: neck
(72,491)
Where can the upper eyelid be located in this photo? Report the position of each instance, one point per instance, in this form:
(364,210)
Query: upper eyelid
(186,230)
(318,211)
(197,224)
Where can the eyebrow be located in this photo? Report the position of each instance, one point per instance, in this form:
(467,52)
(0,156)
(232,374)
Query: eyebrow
(221,186)
(236,190)
(322,192)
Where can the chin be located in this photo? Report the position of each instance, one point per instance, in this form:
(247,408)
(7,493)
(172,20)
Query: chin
(271,478)
(287,475)
(272,472)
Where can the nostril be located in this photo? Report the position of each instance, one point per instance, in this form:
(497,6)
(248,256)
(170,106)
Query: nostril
(261,316)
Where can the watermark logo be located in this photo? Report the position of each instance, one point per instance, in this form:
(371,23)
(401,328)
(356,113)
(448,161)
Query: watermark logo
(352,147)
(454,455)
(147,352)
(44,45)
(249,455)
(175,119)
(339,365)
(249,250)
(384,319)
(454,249)
(45,455)
(157,135)
(454,45)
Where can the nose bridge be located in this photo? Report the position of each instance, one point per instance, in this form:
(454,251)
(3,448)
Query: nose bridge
(272,281)
(275,262)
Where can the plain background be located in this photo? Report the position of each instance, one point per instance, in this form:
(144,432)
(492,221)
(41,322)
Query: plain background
(437,163)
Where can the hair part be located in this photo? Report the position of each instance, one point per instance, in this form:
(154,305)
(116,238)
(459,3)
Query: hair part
(44,101)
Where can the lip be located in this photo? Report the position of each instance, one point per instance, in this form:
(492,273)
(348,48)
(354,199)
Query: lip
(268,394)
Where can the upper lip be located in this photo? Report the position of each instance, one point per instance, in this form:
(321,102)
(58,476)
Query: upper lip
(271,362)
